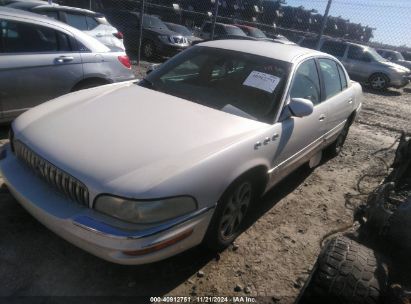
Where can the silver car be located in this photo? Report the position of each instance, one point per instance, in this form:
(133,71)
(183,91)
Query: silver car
(91,23)
(364,64)
(41,59)
(139,171)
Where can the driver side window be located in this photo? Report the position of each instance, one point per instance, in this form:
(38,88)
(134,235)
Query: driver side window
(306,83)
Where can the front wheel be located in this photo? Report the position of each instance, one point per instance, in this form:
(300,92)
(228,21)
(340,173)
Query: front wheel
(228,219)
(149,49)
(379,82)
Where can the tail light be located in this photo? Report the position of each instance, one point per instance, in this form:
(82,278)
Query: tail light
(125,61)
(118,35)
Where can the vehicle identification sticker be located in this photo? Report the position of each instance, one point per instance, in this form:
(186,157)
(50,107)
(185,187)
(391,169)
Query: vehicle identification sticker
(262,81)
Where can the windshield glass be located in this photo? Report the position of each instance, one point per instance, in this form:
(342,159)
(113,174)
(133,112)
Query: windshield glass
(225,80)
(257,33)
(233,30)
(153,22)
(395,55)
(179,29)
(373,53)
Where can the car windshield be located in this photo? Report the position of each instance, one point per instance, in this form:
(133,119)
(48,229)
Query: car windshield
(395,56)
(233,30)
(257,33)
(239,83)
(153,22)
(179,29)
(374,54)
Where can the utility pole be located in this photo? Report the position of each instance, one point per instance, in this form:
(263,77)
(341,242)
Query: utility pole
(140,36)
(214,19)
(324,23)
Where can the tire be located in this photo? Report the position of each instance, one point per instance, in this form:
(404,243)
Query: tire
(336,147)
(228,220)
(347,272)
(379,82)
(148,49)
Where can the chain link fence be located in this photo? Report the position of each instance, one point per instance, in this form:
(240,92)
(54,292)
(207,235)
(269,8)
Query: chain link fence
(169,26)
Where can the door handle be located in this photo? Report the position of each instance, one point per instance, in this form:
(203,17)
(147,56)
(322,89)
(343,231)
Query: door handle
(322,117)
(63,59)
(350,100)
(99,35)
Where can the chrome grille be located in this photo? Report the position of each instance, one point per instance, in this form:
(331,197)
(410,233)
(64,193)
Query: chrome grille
(63,182)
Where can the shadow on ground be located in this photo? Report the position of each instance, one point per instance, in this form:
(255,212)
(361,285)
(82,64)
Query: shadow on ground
(34,261)
(389,92)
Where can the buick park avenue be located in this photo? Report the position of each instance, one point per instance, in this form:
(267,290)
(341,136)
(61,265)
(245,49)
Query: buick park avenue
(136,172)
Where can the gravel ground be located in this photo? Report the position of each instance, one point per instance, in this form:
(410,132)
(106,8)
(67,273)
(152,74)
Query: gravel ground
(272,258)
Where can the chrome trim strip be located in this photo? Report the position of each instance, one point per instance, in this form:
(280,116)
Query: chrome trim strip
(99,227)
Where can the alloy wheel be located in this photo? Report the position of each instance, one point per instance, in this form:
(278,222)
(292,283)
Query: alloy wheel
(235,211)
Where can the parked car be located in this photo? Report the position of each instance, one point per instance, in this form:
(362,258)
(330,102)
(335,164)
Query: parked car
(185,32)
(395,57)
(222,31)
(406,55)
(91,23)
(41,59)
(157,40)
(363,63)
(190,147)
(253,32)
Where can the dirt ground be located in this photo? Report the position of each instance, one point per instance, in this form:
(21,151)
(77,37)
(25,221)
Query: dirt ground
(272,258)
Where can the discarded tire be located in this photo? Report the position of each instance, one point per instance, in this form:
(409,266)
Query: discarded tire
(347,272)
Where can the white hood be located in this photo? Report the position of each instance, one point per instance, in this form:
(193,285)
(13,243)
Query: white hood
(110,134)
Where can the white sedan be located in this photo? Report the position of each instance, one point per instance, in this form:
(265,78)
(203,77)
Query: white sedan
(137,172)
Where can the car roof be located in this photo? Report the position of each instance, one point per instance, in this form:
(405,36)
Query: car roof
(283,52)
(38,4)
(88,41)
(69,9)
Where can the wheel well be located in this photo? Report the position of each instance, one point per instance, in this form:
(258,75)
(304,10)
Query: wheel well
(351,118)
(89,81)
(257,175)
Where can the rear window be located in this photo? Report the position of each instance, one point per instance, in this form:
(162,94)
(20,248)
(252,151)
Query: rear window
(81,22)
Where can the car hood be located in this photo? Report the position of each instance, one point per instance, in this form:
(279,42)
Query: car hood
(404,63)
(110,135)
(396,65)
(161,31)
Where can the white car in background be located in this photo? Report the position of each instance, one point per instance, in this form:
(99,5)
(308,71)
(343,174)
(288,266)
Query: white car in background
(137,172)
(91,23)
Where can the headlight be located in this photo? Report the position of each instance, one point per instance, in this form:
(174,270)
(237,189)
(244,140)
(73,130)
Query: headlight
(145,212)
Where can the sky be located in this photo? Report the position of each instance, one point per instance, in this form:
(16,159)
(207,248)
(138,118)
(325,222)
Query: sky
(391,18)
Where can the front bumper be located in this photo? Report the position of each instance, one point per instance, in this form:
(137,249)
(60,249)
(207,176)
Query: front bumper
(95,232)
(399,81)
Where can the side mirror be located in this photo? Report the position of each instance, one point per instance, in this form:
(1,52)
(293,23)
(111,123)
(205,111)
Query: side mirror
(152,67)
(300,107)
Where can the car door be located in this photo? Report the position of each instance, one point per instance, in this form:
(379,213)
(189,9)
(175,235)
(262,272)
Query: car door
(300,137)
(37,63)
(338,96)
(357,62)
